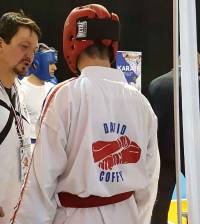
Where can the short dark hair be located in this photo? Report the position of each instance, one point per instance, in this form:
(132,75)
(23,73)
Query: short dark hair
(10,23)
(99,50)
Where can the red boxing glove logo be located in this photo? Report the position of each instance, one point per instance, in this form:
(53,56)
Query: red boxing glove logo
(112,153)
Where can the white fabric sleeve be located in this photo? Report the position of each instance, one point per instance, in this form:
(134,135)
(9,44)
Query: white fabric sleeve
(38,204)
(145,198)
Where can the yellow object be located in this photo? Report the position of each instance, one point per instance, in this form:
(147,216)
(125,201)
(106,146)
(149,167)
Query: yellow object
(172,215)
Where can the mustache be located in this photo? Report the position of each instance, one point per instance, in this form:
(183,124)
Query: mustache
(26,61)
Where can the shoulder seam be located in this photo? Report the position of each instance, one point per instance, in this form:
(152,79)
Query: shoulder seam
(50,97)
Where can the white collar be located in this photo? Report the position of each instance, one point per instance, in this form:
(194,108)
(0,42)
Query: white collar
(103,73)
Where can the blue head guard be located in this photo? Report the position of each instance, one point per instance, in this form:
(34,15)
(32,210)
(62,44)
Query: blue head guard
(42,59)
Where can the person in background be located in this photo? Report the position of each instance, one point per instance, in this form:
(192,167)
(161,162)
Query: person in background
(37,84)
(96,157)
(162,100)
(54,80)
(18,42)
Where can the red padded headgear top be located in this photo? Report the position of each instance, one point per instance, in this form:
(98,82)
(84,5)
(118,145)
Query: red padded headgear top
(75,38)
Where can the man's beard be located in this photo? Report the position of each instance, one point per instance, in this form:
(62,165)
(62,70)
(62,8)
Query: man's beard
(21,69)
(19,72)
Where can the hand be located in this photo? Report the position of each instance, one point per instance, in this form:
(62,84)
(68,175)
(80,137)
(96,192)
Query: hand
(1,212)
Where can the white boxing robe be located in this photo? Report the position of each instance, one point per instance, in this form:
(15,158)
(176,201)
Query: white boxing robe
(98,136)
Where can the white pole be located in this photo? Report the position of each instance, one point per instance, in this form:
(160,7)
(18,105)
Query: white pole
(190,106)
(176,106)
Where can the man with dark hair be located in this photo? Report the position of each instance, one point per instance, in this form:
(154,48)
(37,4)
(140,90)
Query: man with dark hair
(18,42)
(96,159)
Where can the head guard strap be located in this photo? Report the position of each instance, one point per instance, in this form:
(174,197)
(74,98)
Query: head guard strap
(97,29)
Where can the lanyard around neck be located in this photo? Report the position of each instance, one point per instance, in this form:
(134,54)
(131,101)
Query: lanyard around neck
(18,119)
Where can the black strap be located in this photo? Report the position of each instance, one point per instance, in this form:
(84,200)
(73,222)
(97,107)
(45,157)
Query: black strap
(9,122)
(3,104)
(6,129)
(97,29)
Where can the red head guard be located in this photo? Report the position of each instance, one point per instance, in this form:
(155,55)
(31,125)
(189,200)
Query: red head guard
(84,26)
